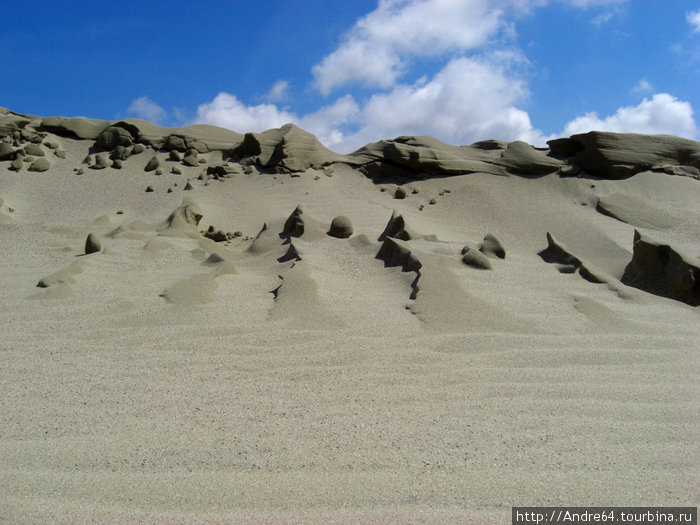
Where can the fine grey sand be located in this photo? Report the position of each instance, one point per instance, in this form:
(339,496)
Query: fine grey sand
(515,327)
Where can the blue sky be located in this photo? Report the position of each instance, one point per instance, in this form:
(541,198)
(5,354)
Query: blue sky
(359,71)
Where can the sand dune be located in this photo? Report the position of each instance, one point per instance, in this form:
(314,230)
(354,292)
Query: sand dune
(414,332)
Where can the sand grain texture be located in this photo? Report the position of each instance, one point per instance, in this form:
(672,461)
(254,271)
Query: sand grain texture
(286,375)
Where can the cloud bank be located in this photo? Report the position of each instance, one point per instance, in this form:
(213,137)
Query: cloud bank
(227,111)
(476,92)
(663,113)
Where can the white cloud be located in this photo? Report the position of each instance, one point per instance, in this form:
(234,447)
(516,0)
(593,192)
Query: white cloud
(663,114)
(474,96)
(468,100)
(278,92)
(693,19)
(376,50)
(327,121)
(145,108)
(227,111)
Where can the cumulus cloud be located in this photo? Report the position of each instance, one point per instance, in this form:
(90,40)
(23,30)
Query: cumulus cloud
(468,100)
(327,123)
(476,94)
(145,108)
(693,19)
(227,111)
(663,113)
(376,51)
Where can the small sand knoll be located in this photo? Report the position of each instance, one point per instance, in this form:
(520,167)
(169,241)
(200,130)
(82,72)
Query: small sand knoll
(5,212)
(208,326)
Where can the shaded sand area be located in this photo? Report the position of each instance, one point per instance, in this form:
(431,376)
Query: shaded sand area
(416,332)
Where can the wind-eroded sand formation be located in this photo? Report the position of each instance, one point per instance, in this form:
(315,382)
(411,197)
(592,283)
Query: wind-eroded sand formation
(201,325)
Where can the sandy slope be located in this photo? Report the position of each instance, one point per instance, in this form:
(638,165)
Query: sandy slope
(162,380)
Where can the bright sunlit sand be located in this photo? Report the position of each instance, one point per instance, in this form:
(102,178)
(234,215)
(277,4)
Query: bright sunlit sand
(276,333)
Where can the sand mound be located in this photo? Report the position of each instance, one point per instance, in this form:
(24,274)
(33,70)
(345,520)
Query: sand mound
(492,247)
(660,269)
(202,137)
(602,316)
(5,212)
(396,253)
(185,218)
(101,162)
(474,258)
(156,245)
(197,289)
(292,254)
(200,288)
(298,223)
(40,165)
(557,253)
(608,155)
(264,241)
(396,228)
(82,128)
(62,276)
(35,150)
(290,149)
(92,244)
(294,225)
(7,152)
(120,135)
(621,155)
(522,159)
(286,149)
(421,157)
(341,227)
(209,138)
(297,302)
